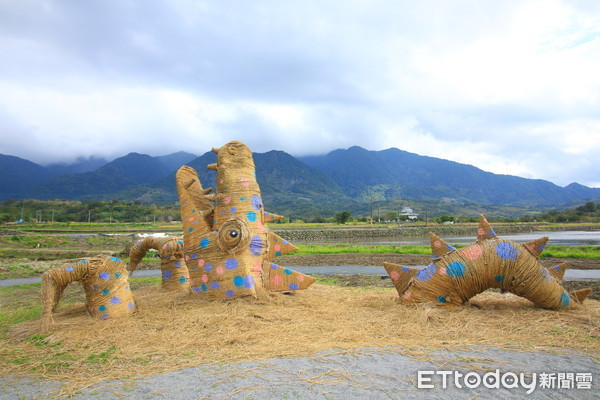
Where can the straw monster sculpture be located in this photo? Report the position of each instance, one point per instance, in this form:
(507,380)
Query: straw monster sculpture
(105,281)
(457,275)
(175,274)
(227,244)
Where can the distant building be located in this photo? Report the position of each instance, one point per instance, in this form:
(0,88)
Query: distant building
(409,213)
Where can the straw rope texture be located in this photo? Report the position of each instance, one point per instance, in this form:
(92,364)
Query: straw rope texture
(174,271)
(457,275)
(227,245)
(105,281)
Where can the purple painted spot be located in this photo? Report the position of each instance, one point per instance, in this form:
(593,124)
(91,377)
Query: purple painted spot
(257,202)
(274,266)
(426,273)
(115,300)
(294,286)
(166,275)
(104,275)
(207,267)
(130,305)
(405,269)
(229,293)
(104,317)
(248,282)
(69,269)
(507,251)
(215,285)
(196,289)
(233,210)
(177,264)
(256,245)
(231,263)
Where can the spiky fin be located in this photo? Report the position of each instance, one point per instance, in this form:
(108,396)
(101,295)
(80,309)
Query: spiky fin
(536,246)
(580,295)
(401,275)
(270,217)
(558,271)
(439,247)
(278,246)
(281,279)
(485,230)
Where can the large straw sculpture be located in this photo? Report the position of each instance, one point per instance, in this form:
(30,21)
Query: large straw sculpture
(104,280)
(457,275)
(228,246)
(175,274)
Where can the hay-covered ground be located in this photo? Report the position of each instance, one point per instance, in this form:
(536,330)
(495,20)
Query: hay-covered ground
(173,331)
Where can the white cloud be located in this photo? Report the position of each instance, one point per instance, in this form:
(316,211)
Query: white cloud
(511,87)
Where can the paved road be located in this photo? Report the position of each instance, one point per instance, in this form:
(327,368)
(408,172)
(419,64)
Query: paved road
(373,373)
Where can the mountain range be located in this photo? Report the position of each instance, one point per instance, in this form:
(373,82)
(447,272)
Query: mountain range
(342,179)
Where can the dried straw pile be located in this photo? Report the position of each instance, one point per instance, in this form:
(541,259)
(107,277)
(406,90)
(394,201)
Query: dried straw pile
(173,330)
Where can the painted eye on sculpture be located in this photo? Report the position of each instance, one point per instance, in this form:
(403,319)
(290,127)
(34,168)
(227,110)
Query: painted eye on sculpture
(234,235)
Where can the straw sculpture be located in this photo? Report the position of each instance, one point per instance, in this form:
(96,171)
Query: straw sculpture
(105,281)
(227,244)
(175,274)
(455,276)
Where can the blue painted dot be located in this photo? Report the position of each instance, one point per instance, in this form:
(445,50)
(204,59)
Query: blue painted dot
(499,278)
(451,248)
(294,286)
(104,275)
(204,288)
(434,256)
(117,275)
(256,245)
(214,285)
(233,210)
(441,299)
(277,253)
(112,258)
(456,269)
(238,281)
(242,199)
(231,263)
(229,293)
(287,271)
(426,273)
(492,233)
(507,251)
(204,242)
(190,229)
(85,262)
(69,269)
(285,241)
(222,212)
(105,292)
(182,279)
(166,274)
(208,267)
(194,256)
(102,308)
(257,202)
(180,242)
(248,282)
(115,300)
(251,215)
(564,299)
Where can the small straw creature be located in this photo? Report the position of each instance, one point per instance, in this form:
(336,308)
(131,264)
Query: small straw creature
(175,274)
(105,281)
(457,275)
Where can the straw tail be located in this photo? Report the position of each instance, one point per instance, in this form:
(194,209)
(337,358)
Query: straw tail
(280,279)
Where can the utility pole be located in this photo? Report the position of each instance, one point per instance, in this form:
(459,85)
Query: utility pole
(52,215)
(38,216)
(22,209)
(371,210)
(89,216)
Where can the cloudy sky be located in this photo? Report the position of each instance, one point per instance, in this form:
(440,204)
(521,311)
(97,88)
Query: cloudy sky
(508,86)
